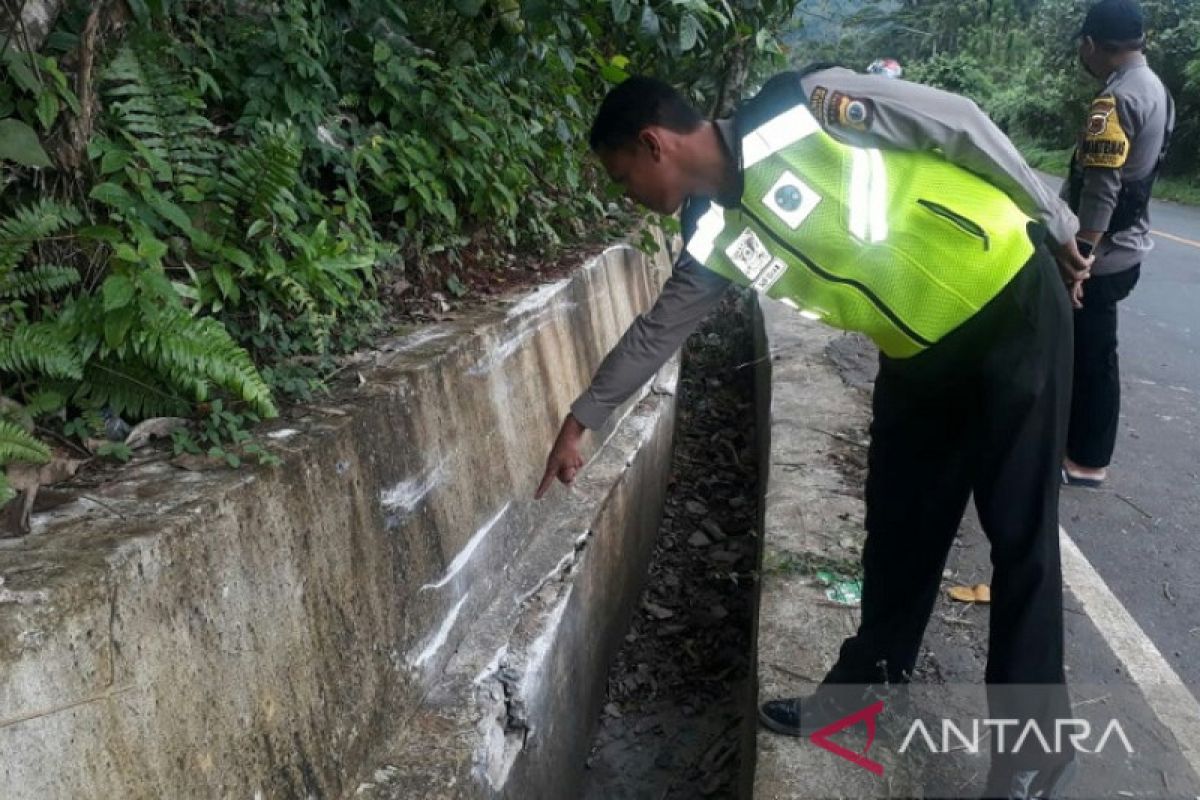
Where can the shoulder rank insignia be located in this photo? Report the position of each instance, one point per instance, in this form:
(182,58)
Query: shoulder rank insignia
(1104,143)
(816,102)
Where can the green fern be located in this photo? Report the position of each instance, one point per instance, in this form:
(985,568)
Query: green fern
(17,445)
(43,403)
(193,350)
(38,348)
(131,390)
(39,405)
(257,181)
(27,224)
(157,110)
(39,279)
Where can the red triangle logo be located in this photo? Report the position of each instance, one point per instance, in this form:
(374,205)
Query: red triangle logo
(821,738)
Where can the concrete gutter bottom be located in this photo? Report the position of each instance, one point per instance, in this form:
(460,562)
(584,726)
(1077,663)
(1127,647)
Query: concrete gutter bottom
(387,614)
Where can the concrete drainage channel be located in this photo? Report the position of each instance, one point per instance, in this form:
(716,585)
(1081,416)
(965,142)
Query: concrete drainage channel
(677,720)
(387,615)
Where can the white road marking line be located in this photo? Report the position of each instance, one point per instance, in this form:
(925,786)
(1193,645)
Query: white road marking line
(1168,697)
(1175,238)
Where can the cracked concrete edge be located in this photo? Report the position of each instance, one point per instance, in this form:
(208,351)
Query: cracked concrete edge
(809,509)
(519,726)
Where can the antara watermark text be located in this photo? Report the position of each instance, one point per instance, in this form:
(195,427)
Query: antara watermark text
(1015,736)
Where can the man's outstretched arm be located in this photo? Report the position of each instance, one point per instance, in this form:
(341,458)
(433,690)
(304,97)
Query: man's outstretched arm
(686,298)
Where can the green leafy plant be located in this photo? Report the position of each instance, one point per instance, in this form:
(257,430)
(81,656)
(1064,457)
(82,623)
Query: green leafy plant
(222,434)
(202,201)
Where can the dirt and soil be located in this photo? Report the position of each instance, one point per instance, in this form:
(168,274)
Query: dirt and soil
(677,690)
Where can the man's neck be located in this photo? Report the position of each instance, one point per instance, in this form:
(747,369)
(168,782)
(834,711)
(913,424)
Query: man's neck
(714,167)
(1124,62)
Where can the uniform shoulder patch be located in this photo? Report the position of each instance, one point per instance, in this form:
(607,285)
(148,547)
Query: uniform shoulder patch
(855,113)
(816,102)
(1104,143)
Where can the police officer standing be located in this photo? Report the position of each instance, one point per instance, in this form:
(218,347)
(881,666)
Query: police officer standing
(899,210)
(1116,160)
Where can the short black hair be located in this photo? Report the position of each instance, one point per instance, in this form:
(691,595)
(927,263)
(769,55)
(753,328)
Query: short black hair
(633,104)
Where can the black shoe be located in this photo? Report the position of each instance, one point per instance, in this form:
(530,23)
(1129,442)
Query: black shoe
(801,716)
(1048,783)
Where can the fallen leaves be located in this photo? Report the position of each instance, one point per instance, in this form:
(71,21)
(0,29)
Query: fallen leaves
(979,593)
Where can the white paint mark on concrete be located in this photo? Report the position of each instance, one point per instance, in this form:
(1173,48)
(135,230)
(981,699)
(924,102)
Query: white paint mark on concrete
(564,563)
(500,749)
(419,338)
(385,774)
(492,667)
(283,433)
(464,555)
(34,597)
(443,632)
(1168,697)
(537,300)
(505,348)
(538,653)
(406,494)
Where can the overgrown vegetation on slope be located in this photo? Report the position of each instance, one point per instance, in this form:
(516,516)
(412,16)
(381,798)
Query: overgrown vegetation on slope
(202,199)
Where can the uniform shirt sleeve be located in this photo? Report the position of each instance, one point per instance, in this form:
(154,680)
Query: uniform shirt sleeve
(1112,124)
(686,298)
(910,116)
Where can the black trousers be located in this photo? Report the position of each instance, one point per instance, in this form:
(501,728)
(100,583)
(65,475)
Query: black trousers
(983,411)
(1096,398)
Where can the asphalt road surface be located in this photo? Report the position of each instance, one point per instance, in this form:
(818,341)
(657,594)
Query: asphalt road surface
(1141,532)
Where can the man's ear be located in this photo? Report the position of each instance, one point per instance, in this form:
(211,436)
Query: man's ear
(652,140)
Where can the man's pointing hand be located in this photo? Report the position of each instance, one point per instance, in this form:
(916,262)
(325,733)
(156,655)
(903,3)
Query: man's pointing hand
(564,461)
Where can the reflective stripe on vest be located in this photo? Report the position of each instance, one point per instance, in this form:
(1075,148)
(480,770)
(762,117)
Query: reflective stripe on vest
(903,246)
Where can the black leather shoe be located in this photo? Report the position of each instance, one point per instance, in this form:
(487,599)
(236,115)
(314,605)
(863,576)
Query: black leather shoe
(801,716)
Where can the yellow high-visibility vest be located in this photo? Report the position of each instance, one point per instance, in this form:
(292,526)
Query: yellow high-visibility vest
(901,245)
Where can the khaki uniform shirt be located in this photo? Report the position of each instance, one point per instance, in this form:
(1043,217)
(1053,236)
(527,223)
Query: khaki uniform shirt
(893,114)
(1121,141)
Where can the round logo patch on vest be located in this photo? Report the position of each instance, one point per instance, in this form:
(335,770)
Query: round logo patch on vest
(788,197)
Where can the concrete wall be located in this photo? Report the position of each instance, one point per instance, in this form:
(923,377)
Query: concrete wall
(273,632)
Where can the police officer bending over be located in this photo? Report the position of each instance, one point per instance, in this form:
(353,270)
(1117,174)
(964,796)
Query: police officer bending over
(1116,160)
(901,211)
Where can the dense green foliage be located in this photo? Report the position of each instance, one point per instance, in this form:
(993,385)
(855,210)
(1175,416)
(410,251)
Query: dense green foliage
(1018,60)
(200,199)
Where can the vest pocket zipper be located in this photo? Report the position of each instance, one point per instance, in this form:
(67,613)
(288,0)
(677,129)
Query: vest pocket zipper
(964,224)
